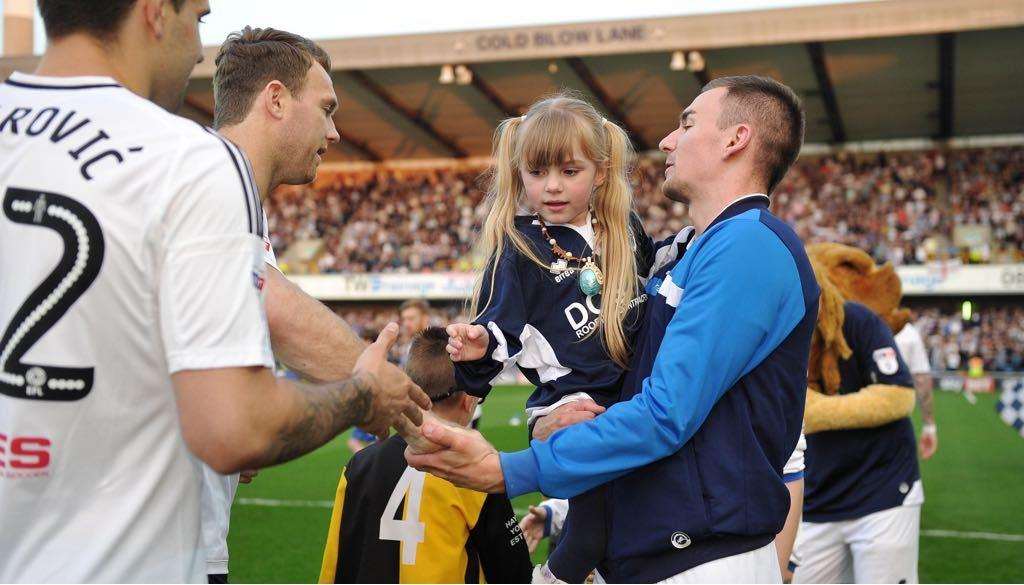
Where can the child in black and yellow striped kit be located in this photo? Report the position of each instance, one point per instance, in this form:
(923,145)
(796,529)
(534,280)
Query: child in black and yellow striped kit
(393,524)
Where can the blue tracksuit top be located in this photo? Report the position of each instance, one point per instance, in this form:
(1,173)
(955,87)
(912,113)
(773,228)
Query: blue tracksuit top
(541,321)
(712,405)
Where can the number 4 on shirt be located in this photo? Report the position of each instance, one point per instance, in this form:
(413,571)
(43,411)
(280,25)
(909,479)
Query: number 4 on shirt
(409,532)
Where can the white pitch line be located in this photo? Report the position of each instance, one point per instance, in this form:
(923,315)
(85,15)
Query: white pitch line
(974,535)
(284,503)
(269,503)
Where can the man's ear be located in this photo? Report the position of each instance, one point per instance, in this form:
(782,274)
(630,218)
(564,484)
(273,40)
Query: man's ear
(273,97)
(155,14)
(739,139)
(468,404)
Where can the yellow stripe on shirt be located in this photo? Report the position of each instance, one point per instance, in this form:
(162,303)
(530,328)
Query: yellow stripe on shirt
(330,563)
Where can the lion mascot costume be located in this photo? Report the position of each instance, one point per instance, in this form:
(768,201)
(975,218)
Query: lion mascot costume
(849,274)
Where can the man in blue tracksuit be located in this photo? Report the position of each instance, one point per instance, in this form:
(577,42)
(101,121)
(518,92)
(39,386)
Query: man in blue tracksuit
(713,404)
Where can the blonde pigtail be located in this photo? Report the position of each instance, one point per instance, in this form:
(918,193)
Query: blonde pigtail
(613,203)
(503,199)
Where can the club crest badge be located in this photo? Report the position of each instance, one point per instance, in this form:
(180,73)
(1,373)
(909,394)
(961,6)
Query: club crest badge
(886,360)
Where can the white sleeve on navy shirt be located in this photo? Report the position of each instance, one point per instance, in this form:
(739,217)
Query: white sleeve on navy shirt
(557,510)
(794,469)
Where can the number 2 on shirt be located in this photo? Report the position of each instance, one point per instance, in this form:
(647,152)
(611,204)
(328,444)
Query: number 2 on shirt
(78,267)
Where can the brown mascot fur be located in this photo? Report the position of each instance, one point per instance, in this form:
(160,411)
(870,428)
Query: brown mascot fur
(846,273)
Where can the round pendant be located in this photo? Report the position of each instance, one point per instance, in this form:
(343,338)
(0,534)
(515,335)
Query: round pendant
(590,284)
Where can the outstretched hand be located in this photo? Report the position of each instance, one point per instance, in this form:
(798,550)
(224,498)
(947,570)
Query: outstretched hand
(532,526)
(393,394)
(467,342)
(413,435)
(465,458)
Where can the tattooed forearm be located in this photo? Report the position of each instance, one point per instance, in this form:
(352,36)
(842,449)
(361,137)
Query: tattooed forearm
(923,387)
(326,411)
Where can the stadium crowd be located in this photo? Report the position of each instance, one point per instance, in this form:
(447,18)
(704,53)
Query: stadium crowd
(900,207)
(383,222)
(903,207)
(994,334)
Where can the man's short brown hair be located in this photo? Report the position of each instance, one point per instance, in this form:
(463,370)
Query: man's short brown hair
(775,110)
(98,18)
(250,59)
(429,365)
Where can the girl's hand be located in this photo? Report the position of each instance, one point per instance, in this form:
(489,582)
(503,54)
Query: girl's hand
(564,416)
(467,342)
(532,526)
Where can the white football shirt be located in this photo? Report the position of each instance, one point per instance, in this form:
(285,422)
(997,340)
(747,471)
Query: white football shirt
(219,490)
(129,250)
(911,347)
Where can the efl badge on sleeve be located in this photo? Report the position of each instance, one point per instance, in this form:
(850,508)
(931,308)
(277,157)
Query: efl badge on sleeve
(886,360)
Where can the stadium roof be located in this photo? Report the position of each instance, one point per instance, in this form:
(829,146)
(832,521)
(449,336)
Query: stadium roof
(866,71)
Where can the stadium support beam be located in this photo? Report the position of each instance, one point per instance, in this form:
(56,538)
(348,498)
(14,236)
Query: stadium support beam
(610,105)
(492,96)
(947,56)
(358,145)
(816,51)
(703,76)
(412,117)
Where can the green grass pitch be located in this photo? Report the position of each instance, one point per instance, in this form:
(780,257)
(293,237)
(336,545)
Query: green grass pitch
(974,484)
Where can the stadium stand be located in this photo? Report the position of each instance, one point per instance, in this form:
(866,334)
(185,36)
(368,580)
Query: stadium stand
(906,207)
(964,206)
(996,335)
(412,223)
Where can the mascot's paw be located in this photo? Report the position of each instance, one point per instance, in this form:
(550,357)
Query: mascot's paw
(872,406)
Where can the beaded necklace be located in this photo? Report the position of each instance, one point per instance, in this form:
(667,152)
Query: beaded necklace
(591,278)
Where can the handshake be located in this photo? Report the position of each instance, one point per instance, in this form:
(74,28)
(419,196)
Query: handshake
(466,342)
(437,446)
(459,454)
(454,453)
(403,404)
(396,401)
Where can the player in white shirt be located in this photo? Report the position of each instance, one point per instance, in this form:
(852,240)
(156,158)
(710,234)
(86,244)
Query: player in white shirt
(275,101)
(219,490)
(911,346)
(134,334)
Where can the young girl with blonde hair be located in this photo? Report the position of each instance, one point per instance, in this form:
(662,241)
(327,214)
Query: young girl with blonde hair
(561,293)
